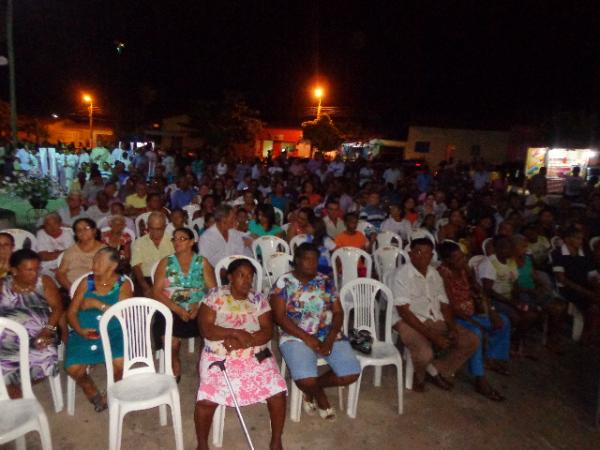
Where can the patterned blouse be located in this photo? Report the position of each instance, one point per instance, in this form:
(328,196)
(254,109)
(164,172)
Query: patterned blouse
(308,305)
(458,291)
(185,289)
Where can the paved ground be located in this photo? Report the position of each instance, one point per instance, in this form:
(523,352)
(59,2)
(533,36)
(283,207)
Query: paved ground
(551,404)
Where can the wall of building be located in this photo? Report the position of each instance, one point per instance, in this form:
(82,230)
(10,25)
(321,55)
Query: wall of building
(67,131)
(462,144)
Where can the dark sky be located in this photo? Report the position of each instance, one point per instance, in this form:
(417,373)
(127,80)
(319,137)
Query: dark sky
(461,62)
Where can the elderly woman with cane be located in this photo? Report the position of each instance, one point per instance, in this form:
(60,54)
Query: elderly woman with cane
(236,324)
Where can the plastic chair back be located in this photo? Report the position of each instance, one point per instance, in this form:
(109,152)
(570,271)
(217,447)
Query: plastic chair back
(138,221)
(484,246)
(387,239)
(264,246)
(224,264)
(153,270)
(23,238)
(386,259)
(297,240)
(363,294)
(135,317)
(190,210)
(348,259)
(278,264)
(78,281)
(278,216)
(10,326)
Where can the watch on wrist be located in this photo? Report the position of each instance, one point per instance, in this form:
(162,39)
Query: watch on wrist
(52,328)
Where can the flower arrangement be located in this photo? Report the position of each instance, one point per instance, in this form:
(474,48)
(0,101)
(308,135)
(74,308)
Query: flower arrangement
(35,188)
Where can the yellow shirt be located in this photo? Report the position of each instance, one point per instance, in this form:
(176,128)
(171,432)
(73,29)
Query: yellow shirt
(135,201)
(144,252)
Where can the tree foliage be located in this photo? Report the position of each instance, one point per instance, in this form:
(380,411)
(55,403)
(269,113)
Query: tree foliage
(322,133)
(225,125)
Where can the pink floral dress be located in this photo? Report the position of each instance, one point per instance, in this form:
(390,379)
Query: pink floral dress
(252,381)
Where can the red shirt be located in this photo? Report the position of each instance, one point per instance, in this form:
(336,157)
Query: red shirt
(458,291)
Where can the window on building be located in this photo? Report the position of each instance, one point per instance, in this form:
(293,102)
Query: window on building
(422,146)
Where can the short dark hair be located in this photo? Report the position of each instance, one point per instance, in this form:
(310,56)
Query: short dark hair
(350,215)
(421,241)
(25,254)
(305,248)
(90,223)
(10,237)
(446,249)
(237,263)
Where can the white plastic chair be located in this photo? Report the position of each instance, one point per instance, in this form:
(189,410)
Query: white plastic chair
(420,233)
(297,240)
(278,264)
(197,225)
(264,246)
(71,385)
(190,210)
(349,258)
(20,416)
(20,236)
(138,221)
(556,242)
(224,264)
(363,294)
(141,386)
(387,239)
(278,216)
(366,228)
(285,227)
(440,223)
(386,259)
(484,246)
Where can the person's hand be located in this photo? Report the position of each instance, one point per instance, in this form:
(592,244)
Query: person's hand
(232,344)
(326,347)
(440,341)
(194,311)
(243,337)
(313,343)
(89,333)
(496,320)
(183,314)
(44,338)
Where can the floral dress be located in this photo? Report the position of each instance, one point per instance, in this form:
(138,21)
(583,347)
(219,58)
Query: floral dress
(32,311)
(252,381)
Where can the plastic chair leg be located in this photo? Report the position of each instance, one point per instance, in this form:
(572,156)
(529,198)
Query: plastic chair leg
(113,427)
(20,443)
(353,393)
(410,370)
(283,367)
(218,425)
(44,430)
(400,383)
(176,417)
(57,394)
(162,415)
(191,343)
(70,396)
(61,351)
(295,403)
(377,376)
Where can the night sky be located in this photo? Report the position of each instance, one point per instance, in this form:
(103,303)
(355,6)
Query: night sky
(390,62)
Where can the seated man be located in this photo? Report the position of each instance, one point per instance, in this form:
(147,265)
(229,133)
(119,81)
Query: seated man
(307,308)
(424,319)
(74,209)
(52,240)
(148,250)
(471,311)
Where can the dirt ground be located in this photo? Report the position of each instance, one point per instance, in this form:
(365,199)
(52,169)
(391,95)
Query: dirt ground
(550,405)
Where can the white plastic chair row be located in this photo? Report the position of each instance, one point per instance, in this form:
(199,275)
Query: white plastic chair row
(387,239)
(348,258)
(20,236)
(298,240)
(20,416)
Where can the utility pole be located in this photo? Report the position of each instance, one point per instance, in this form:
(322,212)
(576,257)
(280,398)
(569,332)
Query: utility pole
(11,73)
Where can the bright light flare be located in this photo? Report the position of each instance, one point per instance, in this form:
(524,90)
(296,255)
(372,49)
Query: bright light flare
(318,92)
(87,98)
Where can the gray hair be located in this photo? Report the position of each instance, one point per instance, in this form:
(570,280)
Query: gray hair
(222,211)
(156,215)
(53,215)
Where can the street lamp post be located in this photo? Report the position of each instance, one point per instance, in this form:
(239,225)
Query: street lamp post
(88,99)
(319,95)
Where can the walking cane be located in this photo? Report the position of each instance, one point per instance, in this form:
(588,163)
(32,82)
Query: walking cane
(221,365)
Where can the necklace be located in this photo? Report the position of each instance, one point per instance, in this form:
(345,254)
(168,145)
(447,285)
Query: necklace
(21,289)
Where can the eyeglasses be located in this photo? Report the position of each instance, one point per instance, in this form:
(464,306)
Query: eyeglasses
(180,239)
(81,230)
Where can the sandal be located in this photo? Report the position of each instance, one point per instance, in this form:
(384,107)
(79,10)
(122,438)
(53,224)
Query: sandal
(328,414)
(491,394)
(500,369)
(309,406)
(99,402)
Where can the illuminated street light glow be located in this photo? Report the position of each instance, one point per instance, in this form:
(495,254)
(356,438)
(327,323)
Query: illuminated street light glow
(87,98)
(318,92)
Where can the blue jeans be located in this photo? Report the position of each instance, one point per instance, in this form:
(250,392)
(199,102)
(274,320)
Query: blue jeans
(498,342)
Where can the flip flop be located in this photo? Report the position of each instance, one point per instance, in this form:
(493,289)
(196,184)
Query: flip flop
(328,414)
(309,407)
(99,402)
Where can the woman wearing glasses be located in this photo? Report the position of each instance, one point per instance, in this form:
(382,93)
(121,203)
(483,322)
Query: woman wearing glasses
(180,282)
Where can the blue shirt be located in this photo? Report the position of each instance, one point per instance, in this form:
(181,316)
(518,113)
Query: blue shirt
(180,198)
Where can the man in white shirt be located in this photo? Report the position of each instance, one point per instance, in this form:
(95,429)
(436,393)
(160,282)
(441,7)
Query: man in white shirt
(222,239)
(423,318)
(74,209)
(24,159)
(391,175)
(333,222)
(52,240)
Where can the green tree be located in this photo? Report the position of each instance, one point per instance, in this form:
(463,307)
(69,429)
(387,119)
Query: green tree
(225,126)
(322,133)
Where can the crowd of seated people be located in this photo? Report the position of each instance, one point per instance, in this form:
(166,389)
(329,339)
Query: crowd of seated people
(484,270)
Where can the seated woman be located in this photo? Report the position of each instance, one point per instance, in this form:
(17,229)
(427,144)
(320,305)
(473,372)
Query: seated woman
(33,301)
(117,238)
(180,282)
(471,312)
(104,287)
(77,259)
(236,324)
(7,246)
(308,310)
(265,223)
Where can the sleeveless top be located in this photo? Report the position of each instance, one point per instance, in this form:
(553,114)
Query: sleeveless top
(185,289)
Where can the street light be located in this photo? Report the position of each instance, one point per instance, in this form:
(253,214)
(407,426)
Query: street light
(319,94)
(88,99)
